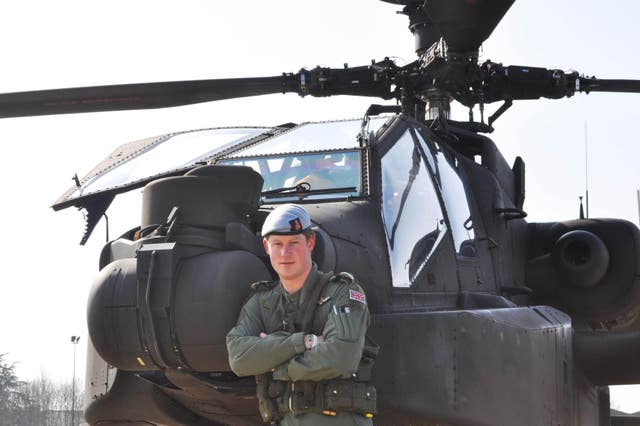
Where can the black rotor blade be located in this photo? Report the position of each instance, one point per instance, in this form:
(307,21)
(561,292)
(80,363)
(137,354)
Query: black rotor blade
(607,85)
(137,96)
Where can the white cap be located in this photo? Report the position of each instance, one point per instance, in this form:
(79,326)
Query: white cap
(287,219)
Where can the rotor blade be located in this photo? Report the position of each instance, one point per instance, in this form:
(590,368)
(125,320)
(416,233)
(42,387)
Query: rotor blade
(605,85)
(137,96)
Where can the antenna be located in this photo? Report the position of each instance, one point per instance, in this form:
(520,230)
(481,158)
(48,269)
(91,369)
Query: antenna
(586,168)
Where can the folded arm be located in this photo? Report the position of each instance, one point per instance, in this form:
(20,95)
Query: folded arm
(340,353)
(250,354)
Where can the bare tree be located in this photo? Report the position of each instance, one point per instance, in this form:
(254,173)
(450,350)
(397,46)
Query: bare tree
(63,400)
(47,403)
(41,401)
(39,395)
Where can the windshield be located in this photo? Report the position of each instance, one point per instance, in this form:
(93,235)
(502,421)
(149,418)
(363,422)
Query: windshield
(326,157)
(335,171)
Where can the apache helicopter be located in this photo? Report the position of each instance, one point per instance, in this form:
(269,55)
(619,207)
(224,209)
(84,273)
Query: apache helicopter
(424,210)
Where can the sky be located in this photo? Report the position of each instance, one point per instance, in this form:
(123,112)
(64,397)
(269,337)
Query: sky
(47,275)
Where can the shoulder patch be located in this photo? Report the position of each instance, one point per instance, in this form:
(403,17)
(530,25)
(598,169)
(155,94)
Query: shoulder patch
(358,296)
(344,278)
(263,285)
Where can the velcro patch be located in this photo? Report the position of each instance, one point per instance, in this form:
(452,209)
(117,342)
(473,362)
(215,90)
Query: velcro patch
(357,296)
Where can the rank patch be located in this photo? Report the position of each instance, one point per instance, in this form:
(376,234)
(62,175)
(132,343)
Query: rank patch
(357,296)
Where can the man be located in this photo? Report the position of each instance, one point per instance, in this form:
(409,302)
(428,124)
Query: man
(319,171)
(303,336)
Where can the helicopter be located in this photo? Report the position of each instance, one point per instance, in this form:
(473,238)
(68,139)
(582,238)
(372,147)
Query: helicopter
(443,163)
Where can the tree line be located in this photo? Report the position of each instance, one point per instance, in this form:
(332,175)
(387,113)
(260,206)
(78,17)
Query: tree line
(41,401)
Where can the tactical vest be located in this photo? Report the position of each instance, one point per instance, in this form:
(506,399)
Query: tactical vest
(329,397)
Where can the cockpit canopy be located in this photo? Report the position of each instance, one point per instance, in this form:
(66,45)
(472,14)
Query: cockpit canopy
(325,156)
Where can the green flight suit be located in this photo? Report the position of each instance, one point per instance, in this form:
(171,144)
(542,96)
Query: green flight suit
(282,352)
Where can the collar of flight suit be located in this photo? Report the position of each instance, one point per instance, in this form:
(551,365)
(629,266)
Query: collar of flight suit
(307,287)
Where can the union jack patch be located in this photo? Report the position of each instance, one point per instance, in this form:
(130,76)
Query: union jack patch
(357,296)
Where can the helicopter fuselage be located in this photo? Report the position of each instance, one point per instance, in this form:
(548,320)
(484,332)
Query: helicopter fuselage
(472,306)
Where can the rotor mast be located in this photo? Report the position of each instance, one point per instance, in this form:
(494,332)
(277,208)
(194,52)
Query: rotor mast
(442,63)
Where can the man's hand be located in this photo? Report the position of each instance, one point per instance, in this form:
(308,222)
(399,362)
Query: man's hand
(311,341)
(263,335)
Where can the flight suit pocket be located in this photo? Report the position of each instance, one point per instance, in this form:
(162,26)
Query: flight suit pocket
(344,325)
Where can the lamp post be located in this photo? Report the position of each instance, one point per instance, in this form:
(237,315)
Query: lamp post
(74,341)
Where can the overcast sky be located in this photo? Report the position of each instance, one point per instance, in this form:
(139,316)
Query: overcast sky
(47,276)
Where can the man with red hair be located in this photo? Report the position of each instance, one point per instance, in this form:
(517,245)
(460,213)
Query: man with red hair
(303,336)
